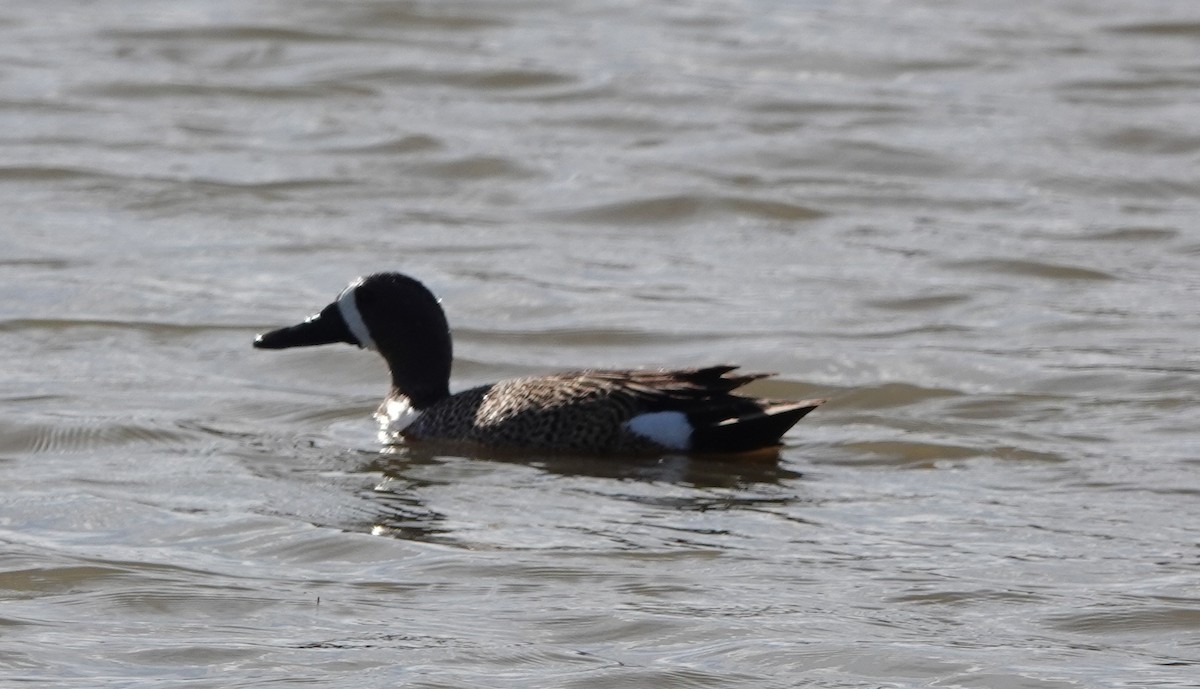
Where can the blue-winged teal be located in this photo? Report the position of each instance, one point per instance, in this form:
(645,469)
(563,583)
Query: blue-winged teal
(591,411)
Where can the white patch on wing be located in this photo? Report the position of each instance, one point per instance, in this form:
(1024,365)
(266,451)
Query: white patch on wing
(394,415)
(667,428)
(348,307)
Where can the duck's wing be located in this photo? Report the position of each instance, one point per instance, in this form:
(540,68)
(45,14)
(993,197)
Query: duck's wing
(664,386)
(693,409)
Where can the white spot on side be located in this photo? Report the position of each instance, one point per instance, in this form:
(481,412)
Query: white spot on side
(348,307)
(667,428)
(394,415)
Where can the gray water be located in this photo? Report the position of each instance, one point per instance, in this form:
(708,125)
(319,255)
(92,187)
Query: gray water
(972,226)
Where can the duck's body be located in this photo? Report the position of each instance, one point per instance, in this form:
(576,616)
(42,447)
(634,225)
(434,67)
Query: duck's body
(608,412)
(592,411)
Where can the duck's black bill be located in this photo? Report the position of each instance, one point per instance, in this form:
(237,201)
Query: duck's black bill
(326,327)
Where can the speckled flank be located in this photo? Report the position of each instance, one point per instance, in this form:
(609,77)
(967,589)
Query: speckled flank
(548,413)
(585,411)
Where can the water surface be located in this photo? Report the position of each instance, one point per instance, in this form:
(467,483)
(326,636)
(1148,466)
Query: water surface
(972,228)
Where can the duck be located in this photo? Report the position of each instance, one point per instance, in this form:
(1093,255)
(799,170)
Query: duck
(690,411)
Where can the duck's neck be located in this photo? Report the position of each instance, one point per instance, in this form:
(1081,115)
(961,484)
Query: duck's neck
(420,395)
(422,374)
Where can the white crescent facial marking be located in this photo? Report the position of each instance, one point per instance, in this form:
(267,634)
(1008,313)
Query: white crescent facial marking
(667,428)
(348,307)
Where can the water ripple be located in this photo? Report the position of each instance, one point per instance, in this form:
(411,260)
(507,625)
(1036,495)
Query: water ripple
(971,228)
(677,208)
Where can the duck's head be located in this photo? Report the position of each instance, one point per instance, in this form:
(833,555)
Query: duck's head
(392,314)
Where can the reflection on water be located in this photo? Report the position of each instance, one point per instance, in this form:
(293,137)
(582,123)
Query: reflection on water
(972,229)
(701,472)
(409,472)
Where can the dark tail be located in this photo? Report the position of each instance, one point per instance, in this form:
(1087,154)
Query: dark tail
(753,431)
